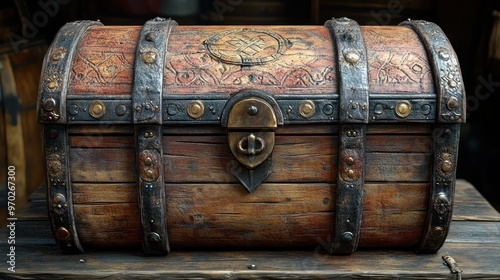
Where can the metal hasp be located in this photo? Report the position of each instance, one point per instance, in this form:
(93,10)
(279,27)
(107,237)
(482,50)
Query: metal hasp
(51,112)
(352,72)
(451,108)
(251,117)
(147,116)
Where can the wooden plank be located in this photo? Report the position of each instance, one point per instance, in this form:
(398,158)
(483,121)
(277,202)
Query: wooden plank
(473,206)
(289,215)
(473,244)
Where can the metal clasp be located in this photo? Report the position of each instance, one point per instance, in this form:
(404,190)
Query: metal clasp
(251,119)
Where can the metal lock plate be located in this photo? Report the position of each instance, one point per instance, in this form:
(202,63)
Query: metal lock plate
(251,123)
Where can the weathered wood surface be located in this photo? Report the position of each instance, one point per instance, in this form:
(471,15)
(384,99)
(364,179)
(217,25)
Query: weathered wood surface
(294,207)
(474,242)
(20,137)
(105,57)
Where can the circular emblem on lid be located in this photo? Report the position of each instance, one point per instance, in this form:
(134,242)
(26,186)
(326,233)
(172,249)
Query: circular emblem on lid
(246,46)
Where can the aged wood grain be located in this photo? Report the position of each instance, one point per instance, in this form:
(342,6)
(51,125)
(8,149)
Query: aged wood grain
(472,243)
(288,214)
(302,58)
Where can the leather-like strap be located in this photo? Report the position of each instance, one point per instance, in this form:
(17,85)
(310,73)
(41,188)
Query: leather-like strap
(352,73)
(147,117)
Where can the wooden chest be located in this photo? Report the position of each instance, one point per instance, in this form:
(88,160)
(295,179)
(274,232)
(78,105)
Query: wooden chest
(167,136)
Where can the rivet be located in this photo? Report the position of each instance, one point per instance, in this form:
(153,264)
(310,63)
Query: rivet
(253,110)
(52,85)
(452,83)
(97,109)
(352,133)
(252,266)
(328,109)
(171,110)
(149,173)
(346,237)
(82,261)
(195,109)
(444,55)
(49,104)
(403,108)
(62,233)
(425,109)
(154,237)
(352,57)
(149,57)
(350,161)
(452,103)
(148,161)
(437,231)
(57,55)
(150,37)
(121,110)
(350,173)
(307,108)
(59,199)
(446,166)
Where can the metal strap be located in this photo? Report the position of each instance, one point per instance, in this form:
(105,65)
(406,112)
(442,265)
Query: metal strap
(442,191)
(147,103)
(148,71)
(59,193)
(352,70)
(51,111)
(352,67)
(450,113)
(51,104)
(446,70)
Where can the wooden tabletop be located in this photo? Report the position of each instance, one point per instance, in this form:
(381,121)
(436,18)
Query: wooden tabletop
(473,243)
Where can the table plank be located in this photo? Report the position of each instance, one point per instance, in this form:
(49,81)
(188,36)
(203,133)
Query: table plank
(473,241)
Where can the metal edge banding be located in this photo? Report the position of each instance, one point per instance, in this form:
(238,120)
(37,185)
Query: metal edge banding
(51,112)
(352,70)
(446,70)
(445,143)
(59,193)
(147,118)
(51,103)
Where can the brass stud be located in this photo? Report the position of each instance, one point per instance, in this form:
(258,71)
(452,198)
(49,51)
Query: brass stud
(148,161)
(149,57)
(49,104)
(446,166)
(97,109)
(307,109)
(62,233)
(452,103)
(403,108)
(437,231)
(149,173)
(57,55)
(52,85)
(352,57)
(195,109)
(350,173)
(350,161)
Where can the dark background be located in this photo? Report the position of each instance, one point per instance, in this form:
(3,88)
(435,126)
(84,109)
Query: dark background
(469,26)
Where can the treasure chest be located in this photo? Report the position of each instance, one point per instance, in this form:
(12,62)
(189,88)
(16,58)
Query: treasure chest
(161,136)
